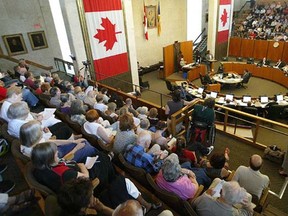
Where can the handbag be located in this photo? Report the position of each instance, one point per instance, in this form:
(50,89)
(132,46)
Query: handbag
(274,153)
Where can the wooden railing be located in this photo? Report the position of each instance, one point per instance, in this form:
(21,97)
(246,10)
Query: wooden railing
(9,58)
(256,123)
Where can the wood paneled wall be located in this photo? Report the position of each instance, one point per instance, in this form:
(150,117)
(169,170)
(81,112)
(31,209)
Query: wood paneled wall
(186,48)
(258,49)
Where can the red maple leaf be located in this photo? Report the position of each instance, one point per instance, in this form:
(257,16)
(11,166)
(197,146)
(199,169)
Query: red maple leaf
(224,17)
(107,34)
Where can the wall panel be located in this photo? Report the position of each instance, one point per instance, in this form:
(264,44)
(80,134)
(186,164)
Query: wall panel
(234,45)
(274,53)
(260,49)
(247,47)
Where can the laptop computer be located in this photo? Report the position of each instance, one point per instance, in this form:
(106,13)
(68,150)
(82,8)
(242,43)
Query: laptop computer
(200,90)
(213,94)
(279,98)
(246,98)
(229,97)
(264,99)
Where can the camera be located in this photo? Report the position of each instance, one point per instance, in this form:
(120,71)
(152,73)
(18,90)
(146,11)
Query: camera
(86,63)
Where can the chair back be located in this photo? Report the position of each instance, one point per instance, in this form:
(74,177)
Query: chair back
(44,190)
(169,85)
(52,207)
(274,111)
(137,173)
(188,209)
(105,117)
(169,198)
(74,125)
(20,158)
(92,139)
(6,135)
(95,141)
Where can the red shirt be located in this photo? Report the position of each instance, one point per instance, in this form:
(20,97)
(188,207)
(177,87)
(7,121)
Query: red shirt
(3,93)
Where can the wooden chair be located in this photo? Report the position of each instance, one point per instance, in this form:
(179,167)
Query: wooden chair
(74,125)
(95,141)
(44,190)
(229,178)
(262,202)
(6,135)
(172,199)
(137,173)
(20,158)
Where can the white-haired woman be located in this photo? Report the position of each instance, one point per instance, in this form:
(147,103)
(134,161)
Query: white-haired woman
(19,113)
(31,135)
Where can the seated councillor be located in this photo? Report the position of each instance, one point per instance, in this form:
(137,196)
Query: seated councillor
(94,127)
(125,135)
(141,156)
(263,63)
(31,135)
(251,178)
(50,171)
(230,195)
(19,113)
(279,64)
(174,179)
(76,196)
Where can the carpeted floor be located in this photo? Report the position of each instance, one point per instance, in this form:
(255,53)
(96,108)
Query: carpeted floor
(240,152)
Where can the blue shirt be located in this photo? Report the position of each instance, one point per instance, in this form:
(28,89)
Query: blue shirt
(136,155)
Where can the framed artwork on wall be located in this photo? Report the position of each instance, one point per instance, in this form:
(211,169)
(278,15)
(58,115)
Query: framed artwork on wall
(37,40)
(151,16)
(15,44)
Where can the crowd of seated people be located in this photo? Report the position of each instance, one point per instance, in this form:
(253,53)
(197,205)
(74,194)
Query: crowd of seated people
(266,22)
(141,137)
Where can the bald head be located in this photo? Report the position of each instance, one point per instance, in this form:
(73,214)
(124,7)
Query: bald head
(130,207)
(256,162)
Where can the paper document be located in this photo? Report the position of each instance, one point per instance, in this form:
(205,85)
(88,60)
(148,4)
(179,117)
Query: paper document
(90,161)
(48,113)
(217,189)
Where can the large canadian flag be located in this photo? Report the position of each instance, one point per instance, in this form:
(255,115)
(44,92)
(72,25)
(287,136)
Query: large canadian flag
(106,31)
(224,20)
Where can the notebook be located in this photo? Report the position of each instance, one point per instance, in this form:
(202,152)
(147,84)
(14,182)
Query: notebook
(200,90)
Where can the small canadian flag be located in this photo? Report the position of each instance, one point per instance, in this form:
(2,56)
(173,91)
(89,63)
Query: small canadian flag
(224,20)
(145,23)
(106,31)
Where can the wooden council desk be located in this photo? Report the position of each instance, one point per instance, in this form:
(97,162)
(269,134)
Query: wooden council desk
(269,73)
